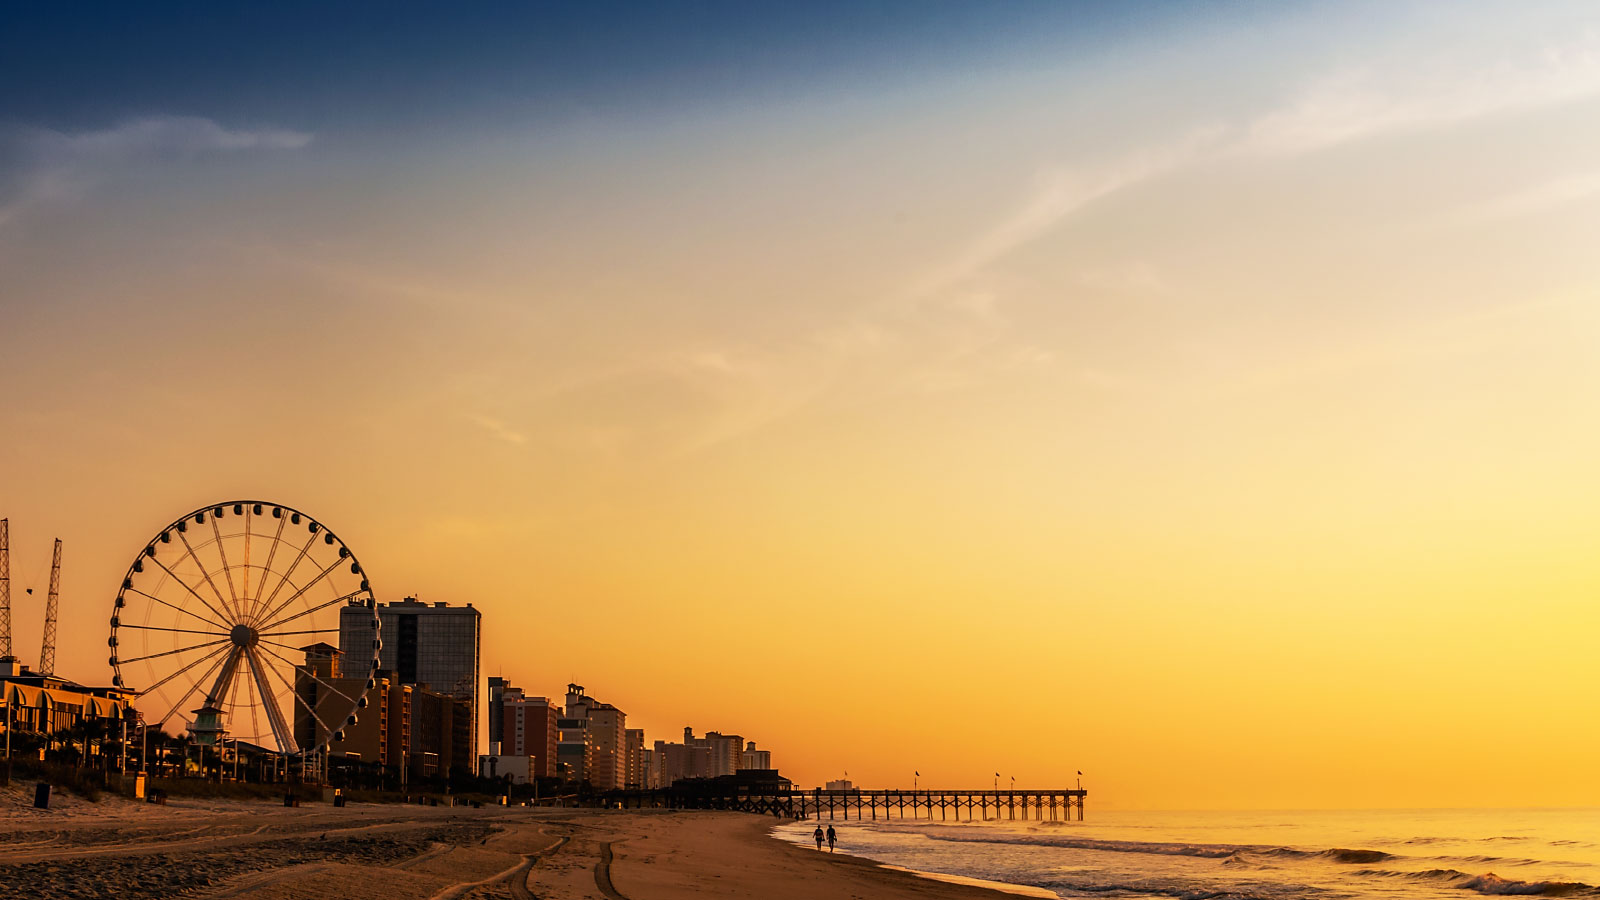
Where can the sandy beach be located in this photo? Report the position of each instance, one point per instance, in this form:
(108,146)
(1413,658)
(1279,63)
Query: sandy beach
(118,848)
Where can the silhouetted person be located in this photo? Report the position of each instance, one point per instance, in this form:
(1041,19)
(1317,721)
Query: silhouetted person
(818,835)
(832,836)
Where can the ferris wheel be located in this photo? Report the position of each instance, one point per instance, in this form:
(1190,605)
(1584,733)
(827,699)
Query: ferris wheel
(251,620)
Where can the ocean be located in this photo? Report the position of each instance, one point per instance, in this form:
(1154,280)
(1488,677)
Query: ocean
(1420,854)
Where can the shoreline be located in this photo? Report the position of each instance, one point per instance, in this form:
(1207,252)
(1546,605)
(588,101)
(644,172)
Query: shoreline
(993,887)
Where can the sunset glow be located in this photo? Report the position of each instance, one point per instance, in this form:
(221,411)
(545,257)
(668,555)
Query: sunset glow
(1201,397)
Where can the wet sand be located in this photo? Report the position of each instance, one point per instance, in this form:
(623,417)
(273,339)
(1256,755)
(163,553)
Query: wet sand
(138,851)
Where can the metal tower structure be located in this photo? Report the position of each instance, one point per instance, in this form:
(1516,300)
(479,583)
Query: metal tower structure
(5,588)
(47,653)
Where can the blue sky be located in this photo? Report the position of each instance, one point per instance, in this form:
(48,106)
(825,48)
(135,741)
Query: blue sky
(347,65)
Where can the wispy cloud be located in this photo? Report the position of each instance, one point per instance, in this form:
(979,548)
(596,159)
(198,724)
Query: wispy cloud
(1352,105)
(41,166)
(1064,190)
(498,429)
(1548,195)
(1368,101)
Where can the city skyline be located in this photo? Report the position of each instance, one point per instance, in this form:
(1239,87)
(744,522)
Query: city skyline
(1201,393)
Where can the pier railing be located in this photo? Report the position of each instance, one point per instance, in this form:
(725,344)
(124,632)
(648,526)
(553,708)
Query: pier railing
(933,805)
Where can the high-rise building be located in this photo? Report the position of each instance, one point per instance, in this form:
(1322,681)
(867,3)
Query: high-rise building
(725,751)
(711,756)
(529,727)
(436,646)
(651,778)
(590,741)
(607,736)
(636,768)
(496,704)
(752,758)
(402,726)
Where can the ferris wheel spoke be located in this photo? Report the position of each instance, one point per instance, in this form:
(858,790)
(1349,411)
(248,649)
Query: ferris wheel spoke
(172,630)
(272,553)
(308,674)
(284,578)
(303,588)
(299,699)
(191,689)
(204,572)
(171,652)
(189,612)
(227,573)
(340,599)
(261,640)
(191,590)
(244,588)
(181,671)
(307,631)
(281,732)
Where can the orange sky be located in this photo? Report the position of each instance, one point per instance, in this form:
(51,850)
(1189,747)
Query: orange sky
(1236,449)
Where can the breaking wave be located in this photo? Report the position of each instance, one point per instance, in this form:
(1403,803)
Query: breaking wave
(1487,884)
(1202,851)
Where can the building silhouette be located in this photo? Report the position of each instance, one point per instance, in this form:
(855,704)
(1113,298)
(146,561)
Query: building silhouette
(589,741)
(752,758)
(712,756)
(637,758)
(47,704)
(432,646)
(404,727)
(520,725)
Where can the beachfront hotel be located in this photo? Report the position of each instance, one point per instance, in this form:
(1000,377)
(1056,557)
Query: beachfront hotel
(589,741)
(522,726)
(405,728)
(436,646)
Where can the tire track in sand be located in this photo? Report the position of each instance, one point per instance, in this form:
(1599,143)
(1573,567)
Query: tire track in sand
(602,873)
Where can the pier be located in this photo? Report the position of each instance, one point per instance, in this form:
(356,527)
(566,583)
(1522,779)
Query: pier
(1056,805)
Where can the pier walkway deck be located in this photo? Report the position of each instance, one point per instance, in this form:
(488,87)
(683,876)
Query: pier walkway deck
(930,804)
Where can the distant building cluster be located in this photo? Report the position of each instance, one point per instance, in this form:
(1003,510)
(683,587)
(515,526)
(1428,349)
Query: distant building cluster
(418,710)
(583,739)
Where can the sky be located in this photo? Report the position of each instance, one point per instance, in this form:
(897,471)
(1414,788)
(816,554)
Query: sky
(1201,396)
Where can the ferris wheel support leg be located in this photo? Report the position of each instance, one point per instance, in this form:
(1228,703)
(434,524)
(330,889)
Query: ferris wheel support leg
(280,728)
(230,668)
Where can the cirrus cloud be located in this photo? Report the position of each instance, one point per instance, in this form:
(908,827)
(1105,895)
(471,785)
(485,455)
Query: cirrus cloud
(44,166)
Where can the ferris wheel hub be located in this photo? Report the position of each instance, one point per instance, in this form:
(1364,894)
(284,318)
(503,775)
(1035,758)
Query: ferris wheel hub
(244,636)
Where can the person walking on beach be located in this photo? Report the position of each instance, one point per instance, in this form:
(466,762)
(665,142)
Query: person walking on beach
(818,835)
(832,836)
